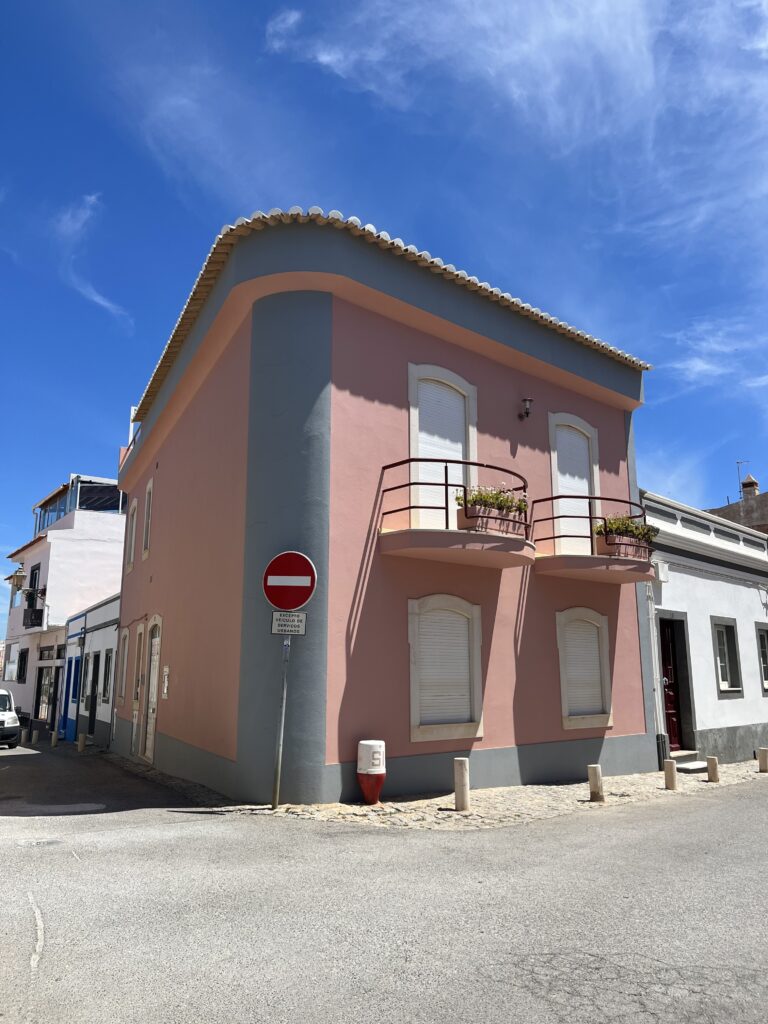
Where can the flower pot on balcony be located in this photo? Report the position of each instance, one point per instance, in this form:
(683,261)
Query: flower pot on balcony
(490,520)
(619,546)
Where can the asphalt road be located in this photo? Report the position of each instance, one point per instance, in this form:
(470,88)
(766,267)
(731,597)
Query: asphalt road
(123,902)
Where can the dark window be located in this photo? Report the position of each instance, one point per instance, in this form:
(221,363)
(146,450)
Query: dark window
(107,676)
(46,654)
(726,655)
(34,584)
(99,497)
(21,671)
(762,647)
(76,680)
(61,652)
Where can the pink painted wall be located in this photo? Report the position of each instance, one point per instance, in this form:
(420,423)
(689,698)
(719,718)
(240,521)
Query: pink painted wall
(368,654)
(193,576)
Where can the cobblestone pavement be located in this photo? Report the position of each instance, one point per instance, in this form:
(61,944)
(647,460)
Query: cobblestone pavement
(492,808)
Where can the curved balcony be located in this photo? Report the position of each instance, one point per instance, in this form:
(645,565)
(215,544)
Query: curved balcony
(434,526)
(568,546)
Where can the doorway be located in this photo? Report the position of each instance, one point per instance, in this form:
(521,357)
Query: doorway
(574,461)
(151,709)
(678,711)
(442,434)
(64,707)
(93,696)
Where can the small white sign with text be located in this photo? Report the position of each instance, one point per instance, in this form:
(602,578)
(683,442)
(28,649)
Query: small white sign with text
(289,623)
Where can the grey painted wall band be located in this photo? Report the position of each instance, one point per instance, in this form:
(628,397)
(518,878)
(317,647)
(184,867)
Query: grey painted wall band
(287,508)
(312,248)
(538,763)
(694,556)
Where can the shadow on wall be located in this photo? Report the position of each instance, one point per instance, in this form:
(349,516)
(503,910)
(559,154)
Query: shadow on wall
(546,751)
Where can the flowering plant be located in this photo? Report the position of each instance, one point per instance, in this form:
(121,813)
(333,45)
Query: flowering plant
(624,526)
(500,498)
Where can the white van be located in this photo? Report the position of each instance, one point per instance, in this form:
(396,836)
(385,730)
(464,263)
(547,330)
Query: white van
(9,721)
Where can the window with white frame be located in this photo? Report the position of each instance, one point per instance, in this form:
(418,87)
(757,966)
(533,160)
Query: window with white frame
(107,679)
(137,673)
(443,425)
(123,666)
(574,465)
(726,650)
(585,674)
(444,634)
(84,676)
(130,545)
(11,663)
(147,520)
(762,653)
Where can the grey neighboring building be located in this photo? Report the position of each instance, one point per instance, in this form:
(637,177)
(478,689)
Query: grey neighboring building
(751,510)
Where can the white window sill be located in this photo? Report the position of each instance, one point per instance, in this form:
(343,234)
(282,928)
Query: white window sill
(449,731)
(588,721)
(145,554)
(128,568)
(731,689)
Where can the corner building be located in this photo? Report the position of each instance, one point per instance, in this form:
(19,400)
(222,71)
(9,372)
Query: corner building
(330,390)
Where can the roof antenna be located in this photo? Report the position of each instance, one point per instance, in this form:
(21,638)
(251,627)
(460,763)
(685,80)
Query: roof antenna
(739,464)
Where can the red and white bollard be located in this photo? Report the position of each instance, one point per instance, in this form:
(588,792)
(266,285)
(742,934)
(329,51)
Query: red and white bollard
(371,768)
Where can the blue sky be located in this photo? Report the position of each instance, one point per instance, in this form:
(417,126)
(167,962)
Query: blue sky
(605,160)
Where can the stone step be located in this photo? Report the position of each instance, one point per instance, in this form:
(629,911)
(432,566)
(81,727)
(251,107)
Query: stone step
(689,767)
(683,756)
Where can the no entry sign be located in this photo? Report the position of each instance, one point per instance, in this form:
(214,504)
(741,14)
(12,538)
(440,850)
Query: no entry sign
(289,581)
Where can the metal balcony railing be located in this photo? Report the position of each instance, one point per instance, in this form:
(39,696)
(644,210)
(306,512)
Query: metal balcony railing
(563,527)
(421,482)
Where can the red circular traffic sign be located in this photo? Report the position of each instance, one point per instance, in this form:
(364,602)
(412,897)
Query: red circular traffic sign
(289,581)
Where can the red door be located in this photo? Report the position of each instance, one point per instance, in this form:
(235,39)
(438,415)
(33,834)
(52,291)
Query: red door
(671,695)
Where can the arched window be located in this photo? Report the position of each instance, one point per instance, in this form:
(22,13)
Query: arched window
(146,533)
(443,425)
(575,471)
(130,538)
(585,680)
(444,634)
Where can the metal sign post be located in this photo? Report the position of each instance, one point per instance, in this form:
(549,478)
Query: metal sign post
(281,724)
(289,583)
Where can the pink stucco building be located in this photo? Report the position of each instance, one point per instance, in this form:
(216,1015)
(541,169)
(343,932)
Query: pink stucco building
(323,384)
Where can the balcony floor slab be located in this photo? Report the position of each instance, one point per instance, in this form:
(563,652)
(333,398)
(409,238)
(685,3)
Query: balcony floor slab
(596,568)
(461,547)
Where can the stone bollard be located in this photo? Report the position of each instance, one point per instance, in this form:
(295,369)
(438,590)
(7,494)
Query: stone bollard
(24,737)
(670,774)
(713,770)
(762,759)
(80,742)
(461,782)
(595,775)
(35,737)
(54,738)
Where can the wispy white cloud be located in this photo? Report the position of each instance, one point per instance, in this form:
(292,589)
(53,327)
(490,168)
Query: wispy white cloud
(70,227)
(679,472)
(676,95)
(210,129)
(727,352)
(280,28)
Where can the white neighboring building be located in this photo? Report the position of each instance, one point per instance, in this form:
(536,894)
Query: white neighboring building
(87,696)
(709,611)
(74,560)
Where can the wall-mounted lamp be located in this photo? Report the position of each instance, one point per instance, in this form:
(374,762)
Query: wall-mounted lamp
(527,403)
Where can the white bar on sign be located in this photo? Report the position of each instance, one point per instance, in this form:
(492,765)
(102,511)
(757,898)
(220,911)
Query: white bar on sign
(289,581)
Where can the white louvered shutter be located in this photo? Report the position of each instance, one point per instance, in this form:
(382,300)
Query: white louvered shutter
(584,684)
(443,662)
(574,476)
(442,435)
